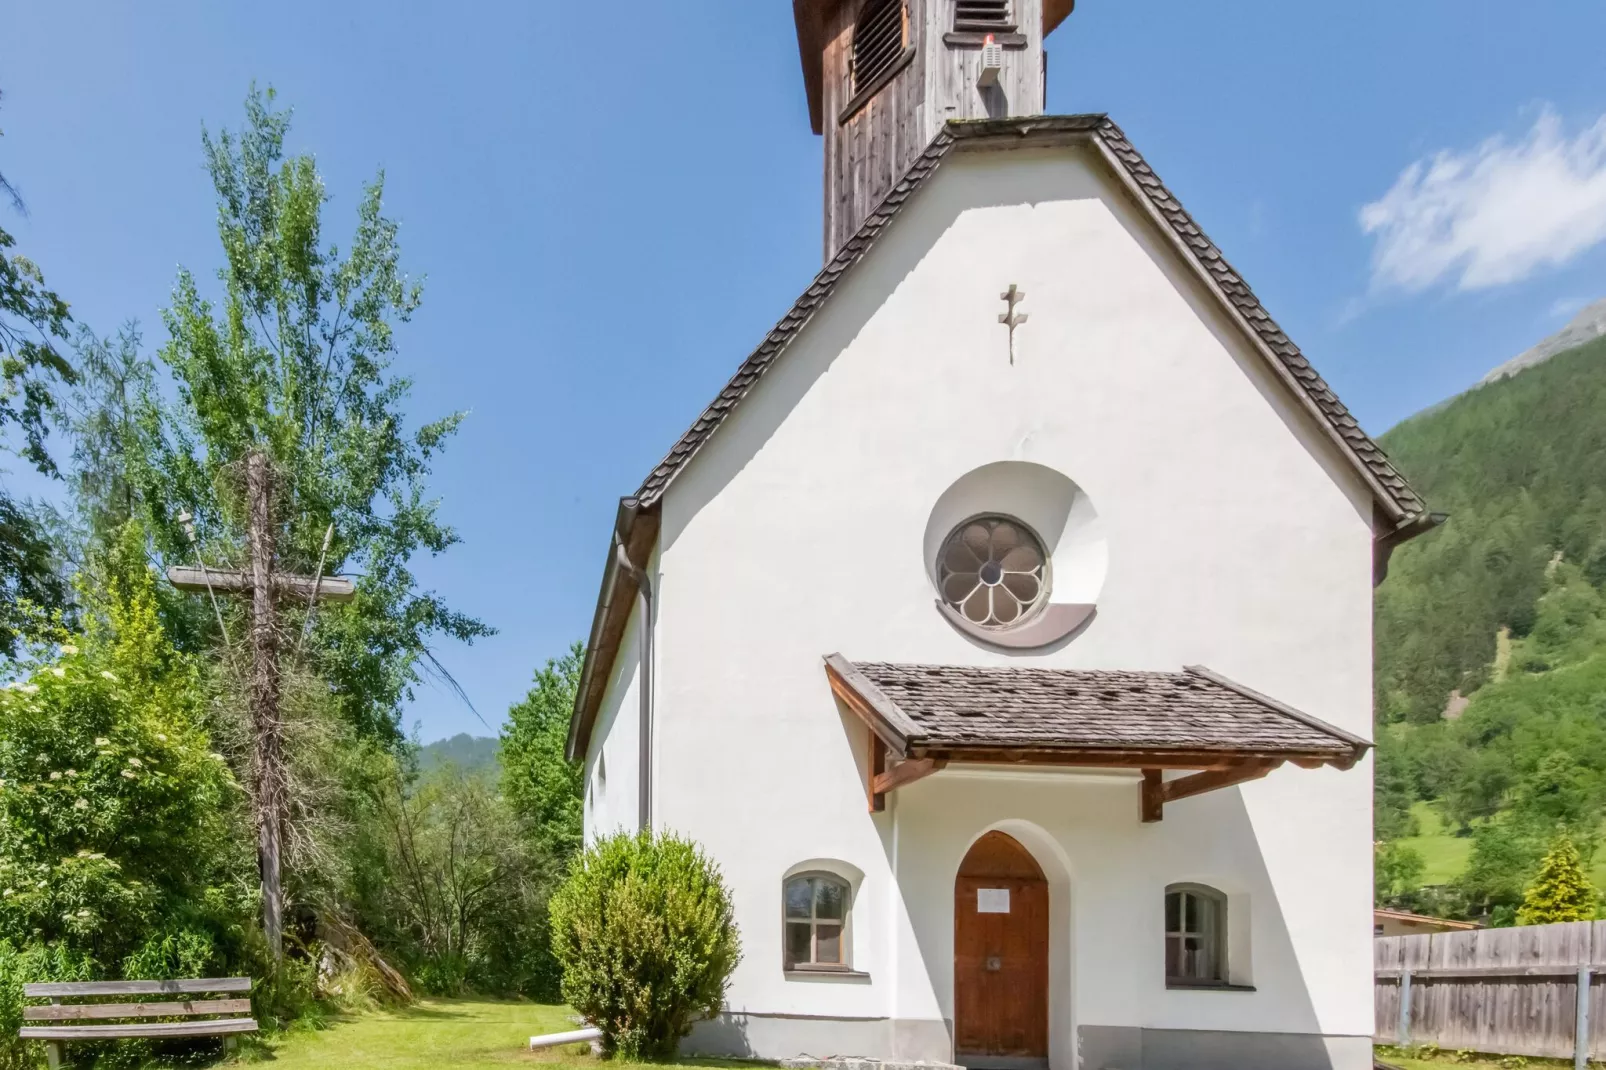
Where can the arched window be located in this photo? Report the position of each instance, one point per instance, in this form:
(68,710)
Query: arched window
(816,909)
(880,41)
(1195,935)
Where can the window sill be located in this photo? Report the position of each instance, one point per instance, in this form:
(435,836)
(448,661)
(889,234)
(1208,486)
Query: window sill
(969,39)
(1206,986)
(796,973)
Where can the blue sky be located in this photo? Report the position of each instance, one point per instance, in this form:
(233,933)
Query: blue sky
(610,214)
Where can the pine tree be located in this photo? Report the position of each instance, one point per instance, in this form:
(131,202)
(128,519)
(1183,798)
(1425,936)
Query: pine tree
(1560,891)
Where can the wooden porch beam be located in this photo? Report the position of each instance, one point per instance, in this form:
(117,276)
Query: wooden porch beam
(905,773)
(1199,783)
(1157,791)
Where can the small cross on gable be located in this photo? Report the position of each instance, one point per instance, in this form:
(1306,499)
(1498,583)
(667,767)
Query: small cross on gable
(1012,319)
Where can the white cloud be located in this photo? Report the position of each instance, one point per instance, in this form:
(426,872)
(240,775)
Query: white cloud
(1494,214)
(1567,307)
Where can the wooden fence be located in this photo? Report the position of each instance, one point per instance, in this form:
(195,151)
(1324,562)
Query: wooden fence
(1506,991)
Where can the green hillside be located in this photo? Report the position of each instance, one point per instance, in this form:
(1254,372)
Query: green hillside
(468,753)
(1506,604)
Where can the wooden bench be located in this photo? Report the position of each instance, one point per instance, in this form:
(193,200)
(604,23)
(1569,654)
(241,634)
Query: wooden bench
(202,1016)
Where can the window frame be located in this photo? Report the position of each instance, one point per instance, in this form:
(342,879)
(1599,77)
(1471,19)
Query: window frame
(1045,580)
(861,92)
(844,938)
(1216,935)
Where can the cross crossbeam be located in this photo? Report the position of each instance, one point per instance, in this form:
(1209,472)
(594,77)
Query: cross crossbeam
(236,581)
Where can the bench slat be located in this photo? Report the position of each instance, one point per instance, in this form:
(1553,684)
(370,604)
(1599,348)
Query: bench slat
(136,988)
(81,1011)
(215,1027)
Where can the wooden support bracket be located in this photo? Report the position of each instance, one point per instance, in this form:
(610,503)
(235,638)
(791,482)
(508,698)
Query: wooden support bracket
(875,769)
(1158,792)
(905,773)
(1153,801)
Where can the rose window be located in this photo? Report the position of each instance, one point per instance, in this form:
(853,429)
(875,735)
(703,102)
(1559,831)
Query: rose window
(993,571)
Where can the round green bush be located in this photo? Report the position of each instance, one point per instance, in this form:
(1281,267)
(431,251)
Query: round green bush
(644,931)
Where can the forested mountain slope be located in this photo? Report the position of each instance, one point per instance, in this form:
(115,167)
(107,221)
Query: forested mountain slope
(1520,466)
(1505,605)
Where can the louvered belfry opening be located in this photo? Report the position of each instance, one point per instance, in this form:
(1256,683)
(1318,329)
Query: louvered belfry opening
(879,38)
(983,16)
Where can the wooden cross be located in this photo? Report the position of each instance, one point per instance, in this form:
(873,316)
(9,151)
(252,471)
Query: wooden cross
(264,586)
(1011,318)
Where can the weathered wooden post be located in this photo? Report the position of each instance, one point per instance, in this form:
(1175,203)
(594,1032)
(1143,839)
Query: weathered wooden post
(267,732)
(1403,1031)
(1581,1021)
(264,586)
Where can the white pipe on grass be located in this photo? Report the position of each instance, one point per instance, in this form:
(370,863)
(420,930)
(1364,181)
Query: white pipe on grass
(573,1036)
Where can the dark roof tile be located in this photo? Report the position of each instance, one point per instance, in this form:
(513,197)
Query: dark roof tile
(1048,709)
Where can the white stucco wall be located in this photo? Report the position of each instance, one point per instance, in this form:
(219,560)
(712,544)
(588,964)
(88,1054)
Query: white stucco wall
(613,762)
(1236,538)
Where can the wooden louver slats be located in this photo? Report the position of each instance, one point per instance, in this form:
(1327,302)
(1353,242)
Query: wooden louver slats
(878,40)
(982,16)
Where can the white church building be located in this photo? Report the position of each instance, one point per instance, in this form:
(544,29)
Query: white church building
(1003,629)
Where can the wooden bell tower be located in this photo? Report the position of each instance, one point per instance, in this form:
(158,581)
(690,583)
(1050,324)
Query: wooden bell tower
(884,75)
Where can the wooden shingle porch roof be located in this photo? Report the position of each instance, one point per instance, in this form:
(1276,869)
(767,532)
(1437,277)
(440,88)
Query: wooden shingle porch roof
(921,717)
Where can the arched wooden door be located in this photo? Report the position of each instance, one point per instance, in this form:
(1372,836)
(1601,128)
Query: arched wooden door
(1000,954)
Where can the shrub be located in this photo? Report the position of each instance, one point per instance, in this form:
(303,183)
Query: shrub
(644,931)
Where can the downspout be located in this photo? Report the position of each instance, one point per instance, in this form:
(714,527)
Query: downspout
(1383,546)
(644,589)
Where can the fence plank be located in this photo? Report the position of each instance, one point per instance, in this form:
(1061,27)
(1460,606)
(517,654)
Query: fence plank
(1386,952)
(1504,991)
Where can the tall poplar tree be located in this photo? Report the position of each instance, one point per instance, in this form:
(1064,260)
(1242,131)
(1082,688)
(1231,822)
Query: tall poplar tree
(292,357)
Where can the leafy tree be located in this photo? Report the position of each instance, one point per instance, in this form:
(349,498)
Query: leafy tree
(644,929)
(1493,881)
(293,360)
(1396,871)
(33,320)
(460,892)
(1560,891)
(544,788)
(115,381)
(28,575)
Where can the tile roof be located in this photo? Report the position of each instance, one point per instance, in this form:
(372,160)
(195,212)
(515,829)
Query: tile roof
(943,707)
(1391,490)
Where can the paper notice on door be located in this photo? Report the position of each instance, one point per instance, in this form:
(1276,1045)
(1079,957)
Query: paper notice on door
(992,900)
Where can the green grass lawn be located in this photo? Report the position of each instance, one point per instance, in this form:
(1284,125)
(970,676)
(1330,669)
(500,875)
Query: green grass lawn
(436,1034)
(1446,1060)
(1446,854)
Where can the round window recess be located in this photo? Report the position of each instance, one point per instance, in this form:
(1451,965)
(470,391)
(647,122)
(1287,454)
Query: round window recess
(993,572)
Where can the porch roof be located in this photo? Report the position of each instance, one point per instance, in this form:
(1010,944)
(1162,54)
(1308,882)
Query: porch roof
(921,717)
(955,709)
